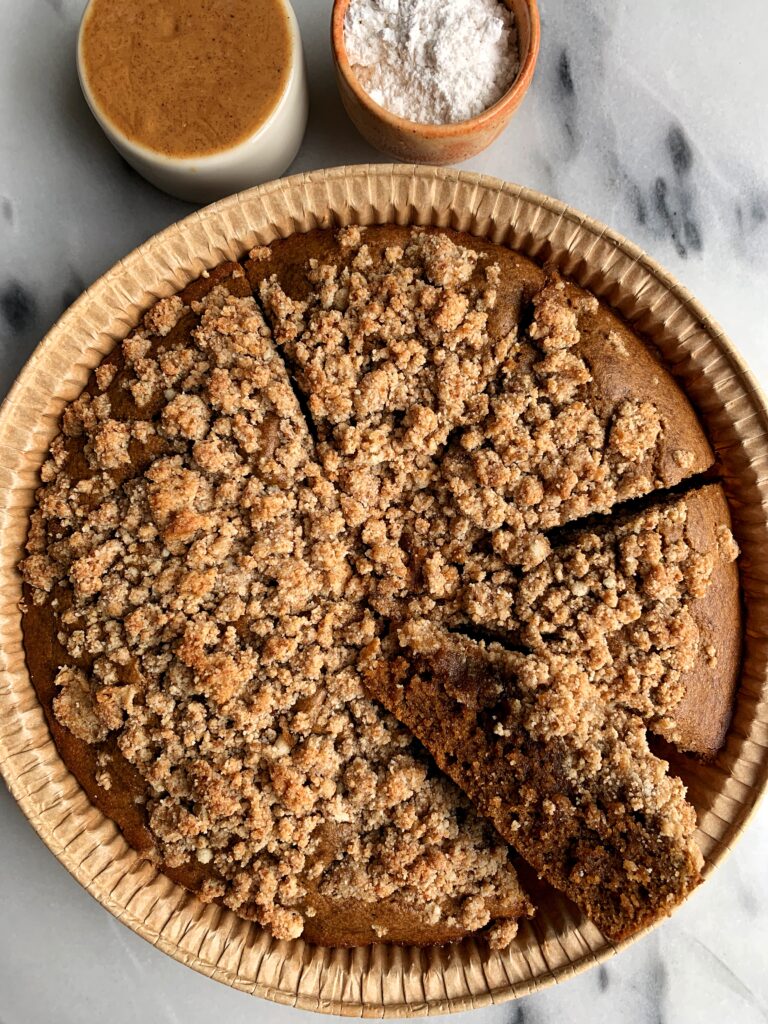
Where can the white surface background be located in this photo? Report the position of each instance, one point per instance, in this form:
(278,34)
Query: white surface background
(650,116)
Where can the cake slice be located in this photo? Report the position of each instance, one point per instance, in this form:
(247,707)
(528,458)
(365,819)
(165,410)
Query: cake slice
(648,601)
(567,779)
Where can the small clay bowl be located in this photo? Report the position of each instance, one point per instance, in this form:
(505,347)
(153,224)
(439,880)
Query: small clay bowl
(434,143)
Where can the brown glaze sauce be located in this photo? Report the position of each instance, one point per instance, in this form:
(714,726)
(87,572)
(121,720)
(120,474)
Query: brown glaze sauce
(186,77)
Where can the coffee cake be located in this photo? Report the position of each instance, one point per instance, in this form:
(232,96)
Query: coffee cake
(262,526)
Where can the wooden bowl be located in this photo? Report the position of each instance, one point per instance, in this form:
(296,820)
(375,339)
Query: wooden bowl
(434,143)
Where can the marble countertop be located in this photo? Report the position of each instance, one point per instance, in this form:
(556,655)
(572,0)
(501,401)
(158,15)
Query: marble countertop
(652,117)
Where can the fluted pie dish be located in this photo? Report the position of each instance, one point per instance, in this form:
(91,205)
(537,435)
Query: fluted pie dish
(382,586)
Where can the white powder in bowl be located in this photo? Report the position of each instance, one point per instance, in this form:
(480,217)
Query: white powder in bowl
(432,61)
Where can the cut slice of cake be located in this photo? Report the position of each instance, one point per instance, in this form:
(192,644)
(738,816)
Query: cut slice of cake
(582,417)
(567,779)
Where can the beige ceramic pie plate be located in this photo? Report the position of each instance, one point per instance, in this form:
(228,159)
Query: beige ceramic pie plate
(376,981)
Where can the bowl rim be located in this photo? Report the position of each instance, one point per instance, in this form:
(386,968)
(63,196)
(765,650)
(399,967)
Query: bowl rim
(198,241)
(502,108)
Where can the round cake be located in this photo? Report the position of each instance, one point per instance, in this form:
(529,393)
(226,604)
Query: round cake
(374,568)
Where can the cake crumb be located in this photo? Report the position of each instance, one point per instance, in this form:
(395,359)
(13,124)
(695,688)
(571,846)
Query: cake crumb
(164,315)
(502,934)
(260,252)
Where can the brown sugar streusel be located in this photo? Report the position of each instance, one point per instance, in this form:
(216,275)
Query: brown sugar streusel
(451,435)
(618,596)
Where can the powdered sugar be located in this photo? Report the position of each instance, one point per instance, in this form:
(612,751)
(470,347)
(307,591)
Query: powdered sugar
(432,61)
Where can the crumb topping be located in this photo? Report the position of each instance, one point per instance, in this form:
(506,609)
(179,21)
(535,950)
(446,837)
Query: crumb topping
(224,573)
(446,438)
(546,452)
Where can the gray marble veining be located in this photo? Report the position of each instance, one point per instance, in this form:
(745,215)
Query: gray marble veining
(649,116)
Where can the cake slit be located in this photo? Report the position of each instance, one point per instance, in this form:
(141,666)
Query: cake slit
(559,535)
(485,635)
(290,368)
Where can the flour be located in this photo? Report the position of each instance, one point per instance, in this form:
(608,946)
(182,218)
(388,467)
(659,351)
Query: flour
(432,61)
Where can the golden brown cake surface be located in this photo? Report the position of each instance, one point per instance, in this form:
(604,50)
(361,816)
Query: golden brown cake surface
(298,478)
